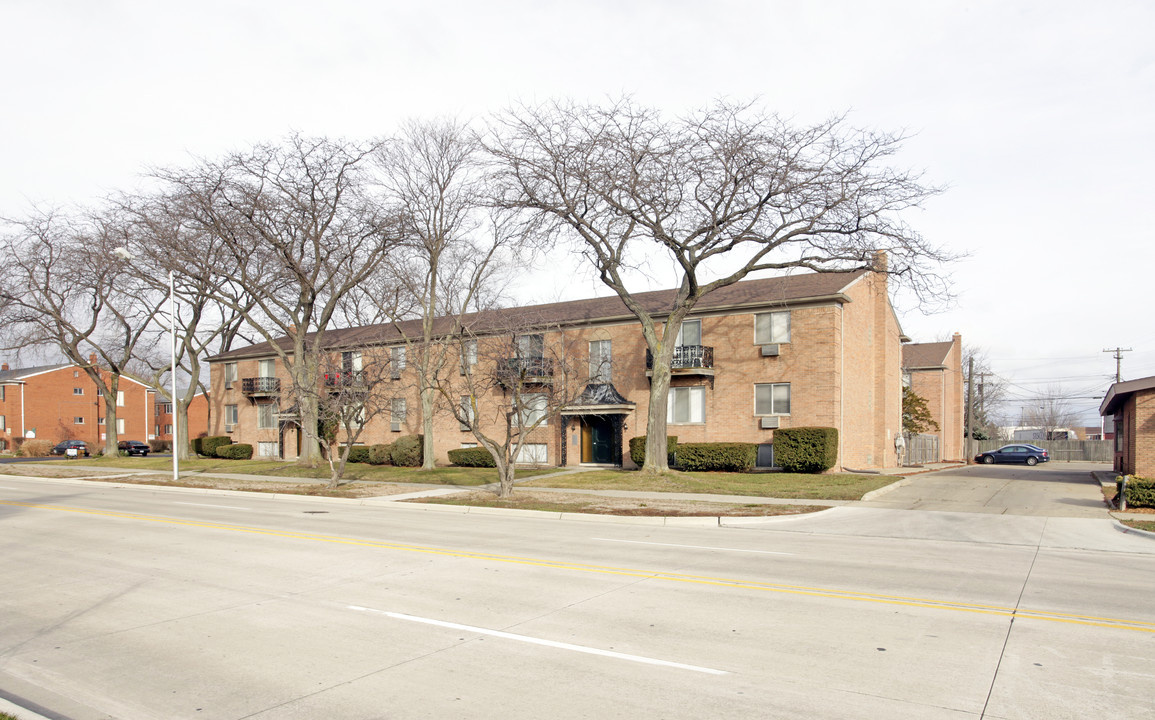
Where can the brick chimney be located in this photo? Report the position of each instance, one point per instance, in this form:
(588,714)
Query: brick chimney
(92,358)
(3,367)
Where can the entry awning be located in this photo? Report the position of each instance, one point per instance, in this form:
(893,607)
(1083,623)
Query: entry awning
(600,399)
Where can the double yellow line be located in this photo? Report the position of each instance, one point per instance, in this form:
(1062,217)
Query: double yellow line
(1078,619)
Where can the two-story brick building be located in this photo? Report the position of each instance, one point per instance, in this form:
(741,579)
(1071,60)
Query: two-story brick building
(60,402)
(1131,407)
(198,418)
(934,372)
(812,349)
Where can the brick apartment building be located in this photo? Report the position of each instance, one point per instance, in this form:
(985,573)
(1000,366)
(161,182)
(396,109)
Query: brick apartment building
(934,372)
(60,402)
(198,418)
(804,350)
(1131,405)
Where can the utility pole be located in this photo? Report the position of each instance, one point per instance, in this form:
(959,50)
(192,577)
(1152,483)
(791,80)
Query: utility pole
(1118,361)
(970,409)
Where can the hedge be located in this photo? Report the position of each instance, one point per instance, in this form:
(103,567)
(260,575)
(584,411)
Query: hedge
(36,448)
(158,445)
(358,454)
(379,455)
(207,446)
(638,449)
(239,451)
(806,449)
(1140,492)
(407,451)
(718,456)
(472,457)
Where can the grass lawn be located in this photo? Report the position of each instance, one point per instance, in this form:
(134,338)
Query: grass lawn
(557,502)
(353,471)
(841,486)
(1148,525)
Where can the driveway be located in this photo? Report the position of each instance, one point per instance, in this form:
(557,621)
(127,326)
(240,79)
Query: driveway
(1049,490)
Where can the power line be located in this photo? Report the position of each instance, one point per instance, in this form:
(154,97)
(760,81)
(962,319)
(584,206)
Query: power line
(1118,362)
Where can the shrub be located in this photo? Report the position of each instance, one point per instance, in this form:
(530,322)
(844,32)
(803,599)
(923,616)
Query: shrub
(1140,492)
(638,449)
(207,446)
(379,455)
(239,451)
(724,457)
(36,448)
(806,449)
(407,451)
(358,454)
(162,445)
(472,457)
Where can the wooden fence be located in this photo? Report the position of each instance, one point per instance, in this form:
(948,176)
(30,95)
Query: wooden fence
(922,449)
(1062,450)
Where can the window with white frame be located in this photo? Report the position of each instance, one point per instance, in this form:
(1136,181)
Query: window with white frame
(77,391)
(78,420)
(533,454)
(3,423)
(120,398)
(351,361)
(686,405)
(772,327)
(168,429)
(2,398)
(468,445)
(531,346)
(266,368)
(397,414)
(906,379)
(266,416)
(468,355)
(601,361)
(99,421)
(690,333)
(772,399)
(466,412)
(268,450)
(396,362)
(531,409)
(230,375)
(230,417)
(120,426)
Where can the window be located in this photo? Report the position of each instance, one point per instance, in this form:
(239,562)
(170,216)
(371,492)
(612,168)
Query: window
(772,399)
(266,368)
(3,423)
(533,454)
(157,430)
(772,327)
(265,416)
(351,361)
(468,445)
(690,333)
(601,357)
(268,450)
(906,380)
(78,420)
(397,414)
(397,362)
(75,373)
(466,412)
(77,391)
(531,409)
(119,426)
(468,355)
(530,346)
(230,417)
(686,405)
(99,421)
(2,393)
(120,398)
(230,375)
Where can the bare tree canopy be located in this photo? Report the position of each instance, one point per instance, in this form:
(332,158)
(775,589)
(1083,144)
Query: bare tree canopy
(720,193)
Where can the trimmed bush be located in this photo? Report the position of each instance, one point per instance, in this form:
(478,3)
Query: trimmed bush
(806,449)
(719,457)
(359,454)
(472,457)
(239,451)
(207,446)
(36,448)
(407,451)
(160,445)
(1140,492)
(379,455)
(638,449)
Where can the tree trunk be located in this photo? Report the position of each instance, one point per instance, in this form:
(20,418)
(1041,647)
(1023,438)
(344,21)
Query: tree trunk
(506,470)
(427,428)
(110,440)
(180,438)
(656,446)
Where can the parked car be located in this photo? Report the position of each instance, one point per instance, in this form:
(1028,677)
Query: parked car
(79,446)
(133,447)
(1018,453)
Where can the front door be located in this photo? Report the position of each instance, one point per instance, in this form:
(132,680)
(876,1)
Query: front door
(597,440)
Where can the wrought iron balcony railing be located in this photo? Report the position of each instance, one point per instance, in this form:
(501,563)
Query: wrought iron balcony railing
(687,357)
(525,369)
(261,386)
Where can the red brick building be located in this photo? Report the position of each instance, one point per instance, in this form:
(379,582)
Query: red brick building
(1132,406)
(60,402)
(934,372)
(804,350)
(198,418)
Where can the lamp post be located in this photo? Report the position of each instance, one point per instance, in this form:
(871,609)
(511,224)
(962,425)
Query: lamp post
(124,254)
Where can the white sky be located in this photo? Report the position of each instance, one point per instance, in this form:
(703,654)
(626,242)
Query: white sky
(1038,117)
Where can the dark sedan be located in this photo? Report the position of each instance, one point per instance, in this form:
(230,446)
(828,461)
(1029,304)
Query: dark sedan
(79,446)
(1021,453)
(133,447)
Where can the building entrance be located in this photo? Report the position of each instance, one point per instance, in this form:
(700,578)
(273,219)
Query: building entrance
(597,440)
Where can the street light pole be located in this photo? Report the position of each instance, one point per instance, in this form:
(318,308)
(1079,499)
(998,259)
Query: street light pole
(172,372)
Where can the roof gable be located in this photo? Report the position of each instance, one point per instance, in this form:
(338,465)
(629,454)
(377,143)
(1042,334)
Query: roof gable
(925,355)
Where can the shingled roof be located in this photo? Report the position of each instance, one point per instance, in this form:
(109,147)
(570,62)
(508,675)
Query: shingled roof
(21,373)
(925,355)
(762,292)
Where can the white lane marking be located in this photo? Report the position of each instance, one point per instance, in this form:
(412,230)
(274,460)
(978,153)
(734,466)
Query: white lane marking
(540,641)
(227,507)
(694,547)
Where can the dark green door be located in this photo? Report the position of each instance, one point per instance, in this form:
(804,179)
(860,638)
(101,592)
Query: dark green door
(601,439)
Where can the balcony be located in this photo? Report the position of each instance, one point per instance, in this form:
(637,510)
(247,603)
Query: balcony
(261,386)
(687,360)
(525,370)
(347,381)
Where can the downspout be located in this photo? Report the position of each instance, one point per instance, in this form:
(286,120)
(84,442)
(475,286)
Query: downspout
(23,429)
(841,383)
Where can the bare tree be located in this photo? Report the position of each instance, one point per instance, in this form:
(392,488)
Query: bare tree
(356,389)
(719,194)
(990,393)
(67,290)
(301,231)
(1050,412)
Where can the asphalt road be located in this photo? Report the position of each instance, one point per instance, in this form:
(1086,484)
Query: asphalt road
(140,603)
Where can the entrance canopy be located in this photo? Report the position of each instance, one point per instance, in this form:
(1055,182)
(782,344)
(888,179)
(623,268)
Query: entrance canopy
(600,399)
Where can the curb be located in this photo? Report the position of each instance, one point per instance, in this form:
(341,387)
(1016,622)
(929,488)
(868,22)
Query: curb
(19,712)
(885,489)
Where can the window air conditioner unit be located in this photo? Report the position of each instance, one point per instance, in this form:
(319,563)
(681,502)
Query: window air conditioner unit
(770,350)
(769,423)
(395,427)
(230,428)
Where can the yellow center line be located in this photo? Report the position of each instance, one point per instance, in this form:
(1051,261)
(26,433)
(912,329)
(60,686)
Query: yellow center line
(998,610)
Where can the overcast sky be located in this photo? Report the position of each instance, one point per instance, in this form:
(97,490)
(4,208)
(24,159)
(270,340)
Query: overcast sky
(1037,117)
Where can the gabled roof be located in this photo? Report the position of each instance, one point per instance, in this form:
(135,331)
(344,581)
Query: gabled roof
(748,294)
(23,373)
(924,356)
(1120,391)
